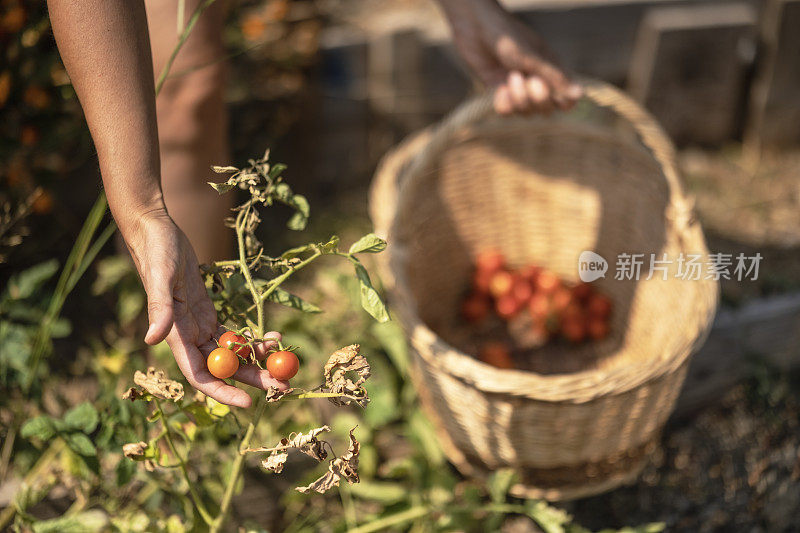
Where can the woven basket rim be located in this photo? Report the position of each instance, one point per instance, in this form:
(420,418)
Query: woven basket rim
(578,387)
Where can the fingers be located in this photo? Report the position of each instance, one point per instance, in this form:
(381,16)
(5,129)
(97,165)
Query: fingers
(523,95)
(263,348)
(160,310)
(254,376)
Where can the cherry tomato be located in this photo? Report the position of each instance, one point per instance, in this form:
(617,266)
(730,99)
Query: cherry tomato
(283,365)
(475,308)
(496,354)
(599,306)
(481,280)
(597,328)
(574,330)
(506,307)
(229,340)
(539,305)
(501,283)
(547,282)
(522,290)
(531,273)
(561,299)
(582,291)
(222,363)
(490,261)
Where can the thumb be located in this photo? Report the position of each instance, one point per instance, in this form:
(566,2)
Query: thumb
(159,310)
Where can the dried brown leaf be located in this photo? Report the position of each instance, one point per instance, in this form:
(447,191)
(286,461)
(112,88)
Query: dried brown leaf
(340,363)
(274,393)
(133,394)
(345,467)
(158,384)
(275,461)
(134,450)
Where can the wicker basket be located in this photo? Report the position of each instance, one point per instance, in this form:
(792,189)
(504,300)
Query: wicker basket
(580,420)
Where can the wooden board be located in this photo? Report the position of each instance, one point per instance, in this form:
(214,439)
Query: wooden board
(688,69)
(774,115)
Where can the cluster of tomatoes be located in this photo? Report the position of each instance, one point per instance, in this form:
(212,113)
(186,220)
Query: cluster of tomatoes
(223,362)
(535,299)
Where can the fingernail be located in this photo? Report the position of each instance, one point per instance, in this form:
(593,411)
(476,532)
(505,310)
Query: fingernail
(574,91)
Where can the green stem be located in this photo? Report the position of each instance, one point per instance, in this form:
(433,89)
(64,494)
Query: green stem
(393,520)
(236,470)
(243,266)
(162,77)
(274,283)
(198,503)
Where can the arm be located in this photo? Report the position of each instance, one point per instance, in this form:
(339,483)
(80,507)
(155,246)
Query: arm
(105,47)
(506,54)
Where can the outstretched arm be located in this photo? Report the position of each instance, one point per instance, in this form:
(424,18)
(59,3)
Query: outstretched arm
(105,47)
(506,54)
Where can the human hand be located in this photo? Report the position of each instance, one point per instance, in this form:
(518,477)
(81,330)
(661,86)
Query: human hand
(506,54)
(180,310)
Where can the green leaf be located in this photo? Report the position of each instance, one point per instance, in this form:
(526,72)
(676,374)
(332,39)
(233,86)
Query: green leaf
(291,253)
(200,413)
(331,246)
(24,284)
(499,484)
(125,471)
(60,328)
(83,418)
(393,341)
(280,296)
(223,187)
(80,444)
(85,522)
(422,431)
(550,519)
(302,211)
(370,300)
(41,427)
(217,409)
(276,170)
(370,244)
(385,493)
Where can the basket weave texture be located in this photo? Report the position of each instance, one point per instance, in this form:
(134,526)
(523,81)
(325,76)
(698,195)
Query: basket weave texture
(577,420)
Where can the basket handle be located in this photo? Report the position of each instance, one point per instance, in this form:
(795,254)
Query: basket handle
(602,94)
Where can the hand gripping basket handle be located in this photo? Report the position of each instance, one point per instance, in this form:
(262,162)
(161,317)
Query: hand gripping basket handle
(601,94)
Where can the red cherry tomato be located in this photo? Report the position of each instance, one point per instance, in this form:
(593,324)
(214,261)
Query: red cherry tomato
(496,354)
(597,328)
(283,365)
(490,261)
(599,306)
(222,363)
(582,291)
(230,339)
(522,290)
(561,299)
(539,305)
(531,273)
(475,308)
(574,330)
(506,307)
(481,280)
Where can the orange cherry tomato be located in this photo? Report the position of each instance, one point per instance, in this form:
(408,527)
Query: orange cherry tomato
(490,261)
(506,307)
(539,305)
(496,354)
(222,363)
(283,365)
(522,290)
(597,328)
(574,330)
(501,283)
(230,340)
(561,299)
(547,282)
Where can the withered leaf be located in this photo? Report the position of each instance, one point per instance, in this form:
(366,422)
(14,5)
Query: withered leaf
(158,384)
(134,450)
(274,393)
(133,394)
(275,461)
(342,361)
(308,443)
(345,467)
